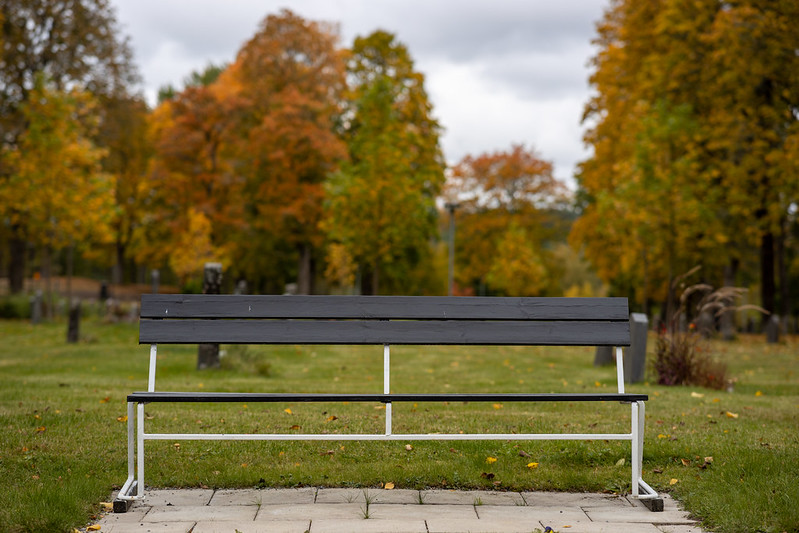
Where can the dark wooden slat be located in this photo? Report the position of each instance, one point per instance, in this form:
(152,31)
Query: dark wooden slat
(379,398)
(382,307)
(450,332)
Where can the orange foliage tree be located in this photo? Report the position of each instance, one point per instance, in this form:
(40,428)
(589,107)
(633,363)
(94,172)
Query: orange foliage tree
(507,203)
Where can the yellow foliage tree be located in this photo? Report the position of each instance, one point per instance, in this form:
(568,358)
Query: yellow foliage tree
(517,269)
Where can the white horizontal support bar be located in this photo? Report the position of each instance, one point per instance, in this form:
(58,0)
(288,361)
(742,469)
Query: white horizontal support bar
(393,436)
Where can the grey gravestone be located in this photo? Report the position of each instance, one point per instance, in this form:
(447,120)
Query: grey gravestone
(773,329)
(155,277)
(635,358)
(208,354)
(36,307)
(604,356)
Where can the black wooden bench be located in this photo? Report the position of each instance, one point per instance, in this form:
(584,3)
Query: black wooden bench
(386,321)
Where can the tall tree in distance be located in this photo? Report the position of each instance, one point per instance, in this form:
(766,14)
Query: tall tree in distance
(73,43)
(381,209)
(506,199)
(291,75)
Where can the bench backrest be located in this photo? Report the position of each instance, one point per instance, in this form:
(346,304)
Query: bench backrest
(248,319)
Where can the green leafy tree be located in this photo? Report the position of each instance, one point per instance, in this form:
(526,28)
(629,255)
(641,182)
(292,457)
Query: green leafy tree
(381,208)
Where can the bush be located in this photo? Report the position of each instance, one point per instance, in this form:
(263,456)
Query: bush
(684,359)
(15,306)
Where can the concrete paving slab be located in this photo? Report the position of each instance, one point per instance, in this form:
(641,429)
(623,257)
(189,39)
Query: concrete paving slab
(670,528)
(275,526)
(154,498)
(149,527)
(639,516)
(368,526)
(422,512)
(241,513)
(532,514)
(339,511)
(375,495)
(263,496)
(472,497)
(572,499)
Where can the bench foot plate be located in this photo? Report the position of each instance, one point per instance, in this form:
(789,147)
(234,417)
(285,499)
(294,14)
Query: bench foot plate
(122,506)
(653,504)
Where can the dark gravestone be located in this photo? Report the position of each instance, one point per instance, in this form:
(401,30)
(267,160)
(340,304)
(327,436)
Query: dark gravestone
(635,358)
(155,278)
(208,354)
(773,329)
(604,356)
(73,327)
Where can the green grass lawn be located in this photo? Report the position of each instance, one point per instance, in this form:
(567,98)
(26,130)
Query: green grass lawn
(62,432)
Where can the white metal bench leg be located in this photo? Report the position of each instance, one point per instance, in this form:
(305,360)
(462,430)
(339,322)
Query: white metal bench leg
(641,489)
(125,498)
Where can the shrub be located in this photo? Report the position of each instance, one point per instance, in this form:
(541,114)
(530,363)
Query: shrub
(684,359)
(15,306)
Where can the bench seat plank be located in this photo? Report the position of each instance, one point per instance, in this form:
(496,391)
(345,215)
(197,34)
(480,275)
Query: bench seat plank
(381,398)
(381,307)
(405,332)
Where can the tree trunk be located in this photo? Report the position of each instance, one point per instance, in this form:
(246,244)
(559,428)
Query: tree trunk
(767,285)
(728,318)
(17,252)
(782,270)
(305,275)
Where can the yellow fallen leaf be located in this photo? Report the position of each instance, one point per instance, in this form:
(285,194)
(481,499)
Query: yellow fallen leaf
(122,418)
(331,418)
(620,462)
(662,436)
(287,411)
(597,384)
(532,465)
(497,406)
(295,426)
(491,460)
(95,527)
(673,481)
(732,415)
(758,393)
(697,395)
(389,486)
(107,506)
(41,429)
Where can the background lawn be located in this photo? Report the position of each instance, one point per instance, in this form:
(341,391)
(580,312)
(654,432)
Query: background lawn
(731,457)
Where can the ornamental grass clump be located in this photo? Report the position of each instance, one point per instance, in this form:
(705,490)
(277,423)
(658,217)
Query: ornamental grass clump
(683,357)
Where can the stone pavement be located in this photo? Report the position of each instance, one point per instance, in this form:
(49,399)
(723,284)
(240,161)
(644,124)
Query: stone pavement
(318,510)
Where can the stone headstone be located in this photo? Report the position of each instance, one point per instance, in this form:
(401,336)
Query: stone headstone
(773,329)
(208,354)
(155,278)
(604,356)
(73,326)
(635,357)
(36,307)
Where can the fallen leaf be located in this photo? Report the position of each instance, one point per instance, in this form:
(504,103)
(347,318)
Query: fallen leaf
(531,466)
(620,462)
(41,429)
(287,411)
(95,527)
(408,447)
(331,418)
(491,460)
(328,452)
(295,426)
(497,406)
(662,436)
(107,506)
(685,462)
(758,393)
(487,475)
(389,486)
(106,399)
(732,415)
(524,454)
(657,470)
(708,459)
(122,418)
(673,481)
(697,395)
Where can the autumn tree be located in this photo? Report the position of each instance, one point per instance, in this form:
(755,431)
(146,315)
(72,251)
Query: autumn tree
(56,189)
(508,203)
(73,43)
(693,102)
(290,76)
(381,210)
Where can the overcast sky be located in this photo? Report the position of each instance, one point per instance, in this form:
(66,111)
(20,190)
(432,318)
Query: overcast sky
(497,71)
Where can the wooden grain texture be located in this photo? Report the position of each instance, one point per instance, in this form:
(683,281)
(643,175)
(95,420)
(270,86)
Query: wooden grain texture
(382,307)
(407,332)
(253,397)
